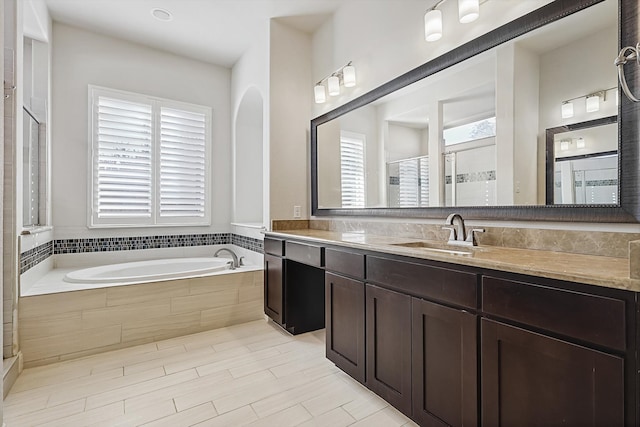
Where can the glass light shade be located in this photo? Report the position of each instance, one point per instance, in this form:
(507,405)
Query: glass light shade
(592,103)
(333,83)
(433,25)
(349,76)
(468,10)
(319,94)
(567,109)
(564,145)
(580,143)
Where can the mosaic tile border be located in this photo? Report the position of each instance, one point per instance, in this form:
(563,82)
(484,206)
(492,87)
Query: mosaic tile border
(255,245)
(35,256)
(112,244)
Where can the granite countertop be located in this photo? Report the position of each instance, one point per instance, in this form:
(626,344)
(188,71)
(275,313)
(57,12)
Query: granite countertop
(594,270)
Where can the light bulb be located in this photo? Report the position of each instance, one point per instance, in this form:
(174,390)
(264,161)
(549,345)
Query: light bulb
(592,103)
(567,109)
(349,76)
(433,25)
(333,83)
(468,10)
(319,94)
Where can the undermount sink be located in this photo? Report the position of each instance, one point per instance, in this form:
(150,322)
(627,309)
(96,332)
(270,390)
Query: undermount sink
(436,247)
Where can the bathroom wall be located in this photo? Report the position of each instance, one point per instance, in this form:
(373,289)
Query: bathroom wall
(290,100)
(81,58)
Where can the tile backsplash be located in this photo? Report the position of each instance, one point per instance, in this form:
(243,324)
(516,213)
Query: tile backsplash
(601,243)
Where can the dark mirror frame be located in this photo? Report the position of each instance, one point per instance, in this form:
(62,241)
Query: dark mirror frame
(550,154)
(628,126)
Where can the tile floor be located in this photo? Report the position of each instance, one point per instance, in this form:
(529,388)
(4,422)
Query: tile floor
(251,374)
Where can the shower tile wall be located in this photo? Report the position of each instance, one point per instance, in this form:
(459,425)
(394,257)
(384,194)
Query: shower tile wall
(9,286)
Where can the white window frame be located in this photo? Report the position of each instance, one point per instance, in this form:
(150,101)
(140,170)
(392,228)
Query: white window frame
(93,221)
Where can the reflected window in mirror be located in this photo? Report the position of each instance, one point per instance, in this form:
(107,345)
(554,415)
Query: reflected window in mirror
(352,174)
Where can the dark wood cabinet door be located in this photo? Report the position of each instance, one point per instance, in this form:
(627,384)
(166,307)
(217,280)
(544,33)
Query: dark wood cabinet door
(530,379)
(388,334)
(344,319)
(274,288)
(445,365)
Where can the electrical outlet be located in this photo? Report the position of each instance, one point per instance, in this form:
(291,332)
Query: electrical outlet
(296,211)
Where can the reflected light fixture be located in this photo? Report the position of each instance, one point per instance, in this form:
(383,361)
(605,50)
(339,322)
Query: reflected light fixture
(345,75)
(468,10)
(567,109)
(564,145)
(580,143)
(592,102)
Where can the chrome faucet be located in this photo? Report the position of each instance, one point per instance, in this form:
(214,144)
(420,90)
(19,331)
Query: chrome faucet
(458,235)
(235,264)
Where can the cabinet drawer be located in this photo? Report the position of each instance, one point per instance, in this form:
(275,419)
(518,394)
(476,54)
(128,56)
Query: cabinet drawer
(305,254)
(424,281)
(346,263)
(274,246)
(596,319)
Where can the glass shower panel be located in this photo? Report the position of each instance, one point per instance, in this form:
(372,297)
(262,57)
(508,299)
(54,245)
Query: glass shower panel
(475,177)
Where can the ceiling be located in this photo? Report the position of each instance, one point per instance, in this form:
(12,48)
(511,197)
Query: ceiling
(214,31)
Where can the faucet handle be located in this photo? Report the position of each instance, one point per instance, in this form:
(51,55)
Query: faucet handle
(471,236)
(452,232)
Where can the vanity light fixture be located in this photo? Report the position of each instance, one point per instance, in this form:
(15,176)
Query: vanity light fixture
(468,11)
(567,109)
(564,144)
(580,143)
(345,75)
(592,102)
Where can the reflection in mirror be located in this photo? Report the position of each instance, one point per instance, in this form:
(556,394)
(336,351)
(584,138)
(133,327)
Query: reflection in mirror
(583,163)
(473,134)
(34,173)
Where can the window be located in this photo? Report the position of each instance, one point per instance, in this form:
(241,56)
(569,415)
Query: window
(470,132)
(149,160)
(352,170)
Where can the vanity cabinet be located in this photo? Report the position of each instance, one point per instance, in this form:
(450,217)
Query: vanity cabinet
(444,365)
(529,379)
(454,345)
(345,311)
(564,357)
(294,285)
(388,337)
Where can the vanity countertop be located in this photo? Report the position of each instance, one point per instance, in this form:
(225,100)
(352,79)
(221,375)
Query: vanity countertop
(594,270)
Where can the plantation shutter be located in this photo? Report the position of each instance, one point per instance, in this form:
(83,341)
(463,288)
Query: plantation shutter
(182,163)
(123,174)
(409,183)
(352,172)
(424,182)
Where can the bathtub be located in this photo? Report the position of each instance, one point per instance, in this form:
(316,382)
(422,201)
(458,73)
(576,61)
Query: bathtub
(148,271)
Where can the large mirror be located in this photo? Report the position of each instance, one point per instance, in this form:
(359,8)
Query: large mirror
(469,129)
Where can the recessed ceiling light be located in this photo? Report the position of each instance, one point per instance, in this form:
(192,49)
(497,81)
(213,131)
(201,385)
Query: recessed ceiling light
(161,14)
